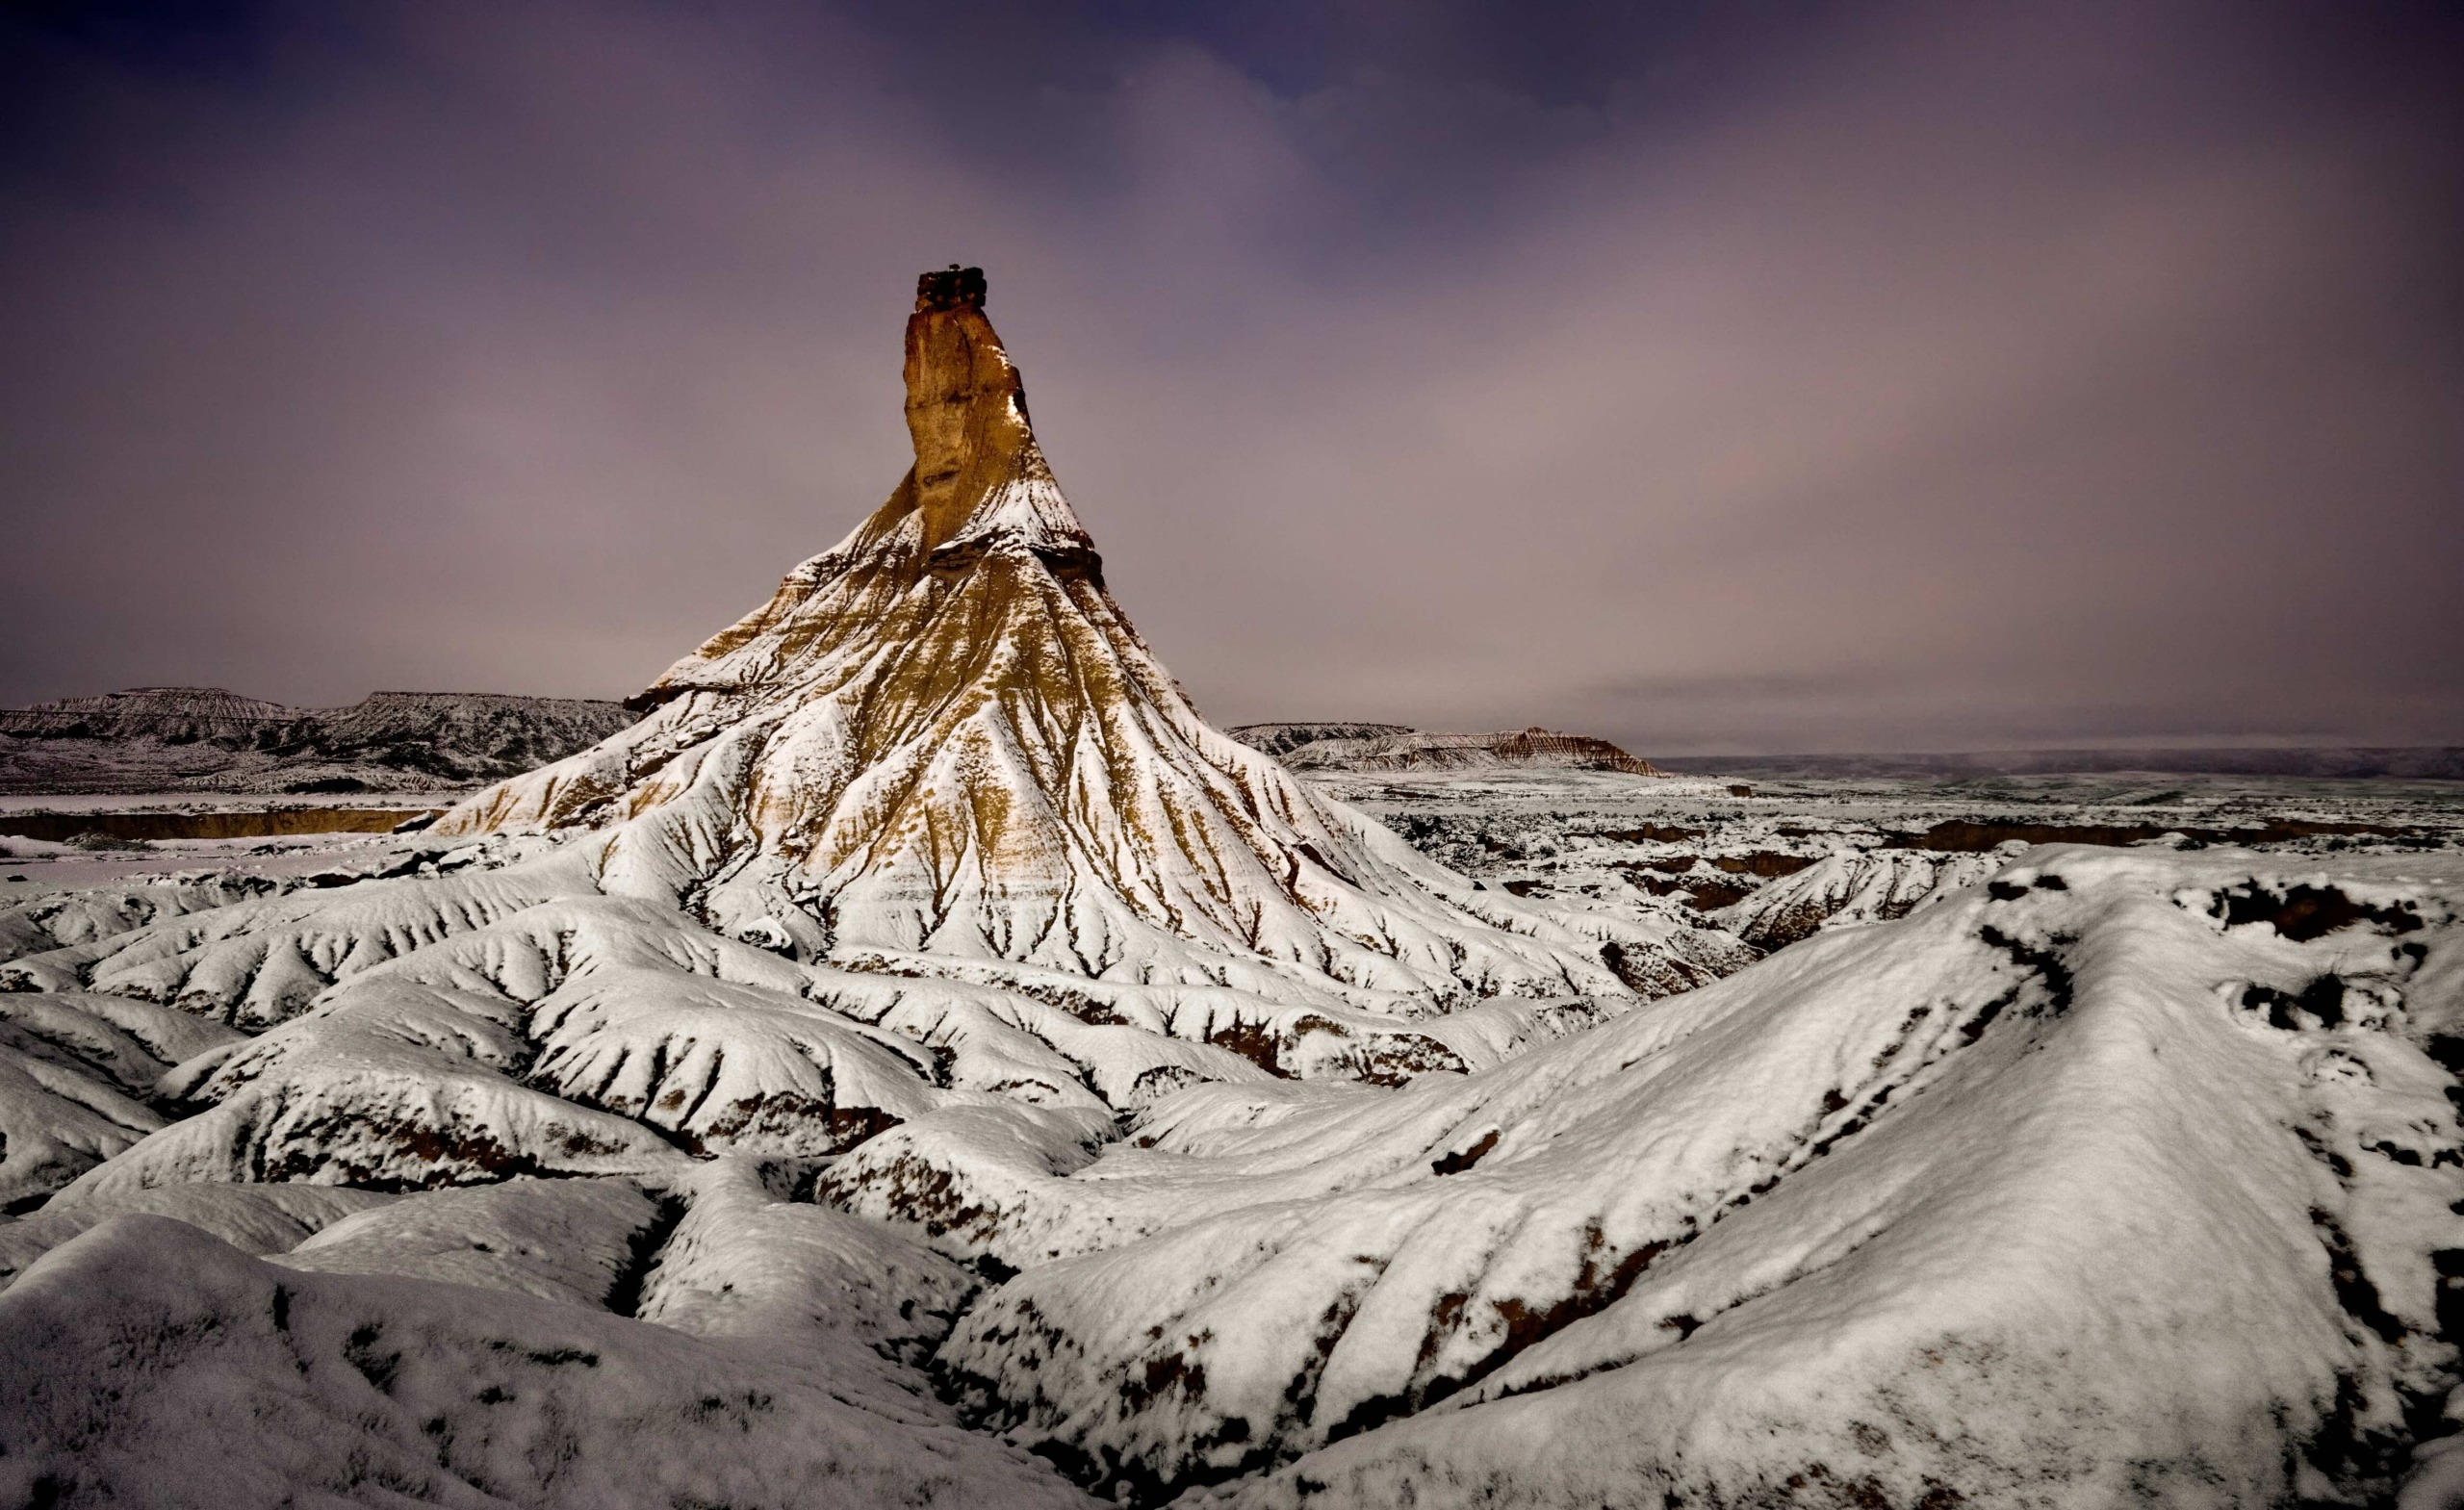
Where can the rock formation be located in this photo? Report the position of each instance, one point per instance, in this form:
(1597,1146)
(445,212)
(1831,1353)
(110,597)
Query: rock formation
(929,826)
(942,739)
(1281,739)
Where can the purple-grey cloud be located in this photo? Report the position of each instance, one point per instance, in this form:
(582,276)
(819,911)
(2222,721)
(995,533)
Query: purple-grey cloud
(1926,376)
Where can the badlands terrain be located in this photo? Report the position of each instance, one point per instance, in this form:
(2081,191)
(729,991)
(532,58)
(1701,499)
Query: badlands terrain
(207,739)
(921,1060)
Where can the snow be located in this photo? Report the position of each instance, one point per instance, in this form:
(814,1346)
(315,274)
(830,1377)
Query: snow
(1804,1223)
(966,754)
(2124,1228)
(147,1362)
(1026,512)
(36,919)
(572,1241)
(57,1122)
(255,1218)
(2437,1480)
(74,1071)
(1845,889)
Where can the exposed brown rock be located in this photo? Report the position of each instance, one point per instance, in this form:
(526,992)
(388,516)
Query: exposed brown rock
(967,410)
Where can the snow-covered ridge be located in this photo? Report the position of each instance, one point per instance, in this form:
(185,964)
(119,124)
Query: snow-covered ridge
(163,712)
(2127,1176)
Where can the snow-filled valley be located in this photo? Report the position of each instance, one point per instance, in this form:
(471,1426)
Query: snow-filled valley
(923,1061)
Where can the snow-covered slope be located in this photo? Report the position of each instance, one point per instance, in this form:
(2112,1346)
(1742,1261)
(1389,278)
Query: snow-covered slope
(2128,1178)
(145,1363)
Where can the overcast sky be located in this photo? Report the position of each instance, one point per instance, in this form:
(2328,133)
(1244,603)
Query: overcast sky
(1726,377)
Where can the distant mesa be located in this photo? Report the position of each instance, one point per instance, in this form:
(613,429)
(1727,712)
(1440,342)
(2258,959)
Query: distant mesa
(2332,762)
(157,739)
(1395,747)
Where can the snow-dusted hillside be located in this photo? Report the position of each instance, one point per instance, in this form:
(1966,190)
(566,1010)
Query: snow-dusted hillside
(922,1062)
(2125,1176)
(160,739)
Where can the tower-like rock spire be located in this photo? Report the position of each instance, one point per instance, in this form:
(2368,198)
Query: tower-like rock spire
(967,410)
(942,741)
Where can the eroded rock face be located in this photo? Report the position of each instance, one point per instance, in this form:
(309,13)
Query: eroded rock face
(967,410)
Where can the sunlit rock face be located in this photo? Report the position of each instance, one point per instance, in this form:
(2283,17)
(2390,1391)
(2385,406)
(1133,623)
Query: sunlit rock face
(942,738)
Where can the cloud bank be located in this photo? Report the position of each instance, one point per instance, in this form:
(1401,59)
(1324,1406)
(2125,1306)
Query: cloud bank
(1716,379)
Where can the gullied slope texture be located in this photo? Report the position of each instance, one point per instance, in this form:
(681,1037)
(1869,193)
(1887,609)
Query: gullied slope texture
(929,831)
(2125,1178)
(206,738)
(145,1363)
(941,740)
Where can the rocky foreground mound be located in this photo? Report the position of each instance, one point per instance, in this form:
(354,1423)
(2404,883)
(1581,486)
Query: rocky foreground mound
(922,1062)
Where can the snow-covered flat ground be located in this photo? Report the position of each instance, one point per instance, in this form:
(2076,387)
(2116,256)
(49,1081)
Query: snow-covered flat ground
(218,802)
(34,866)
